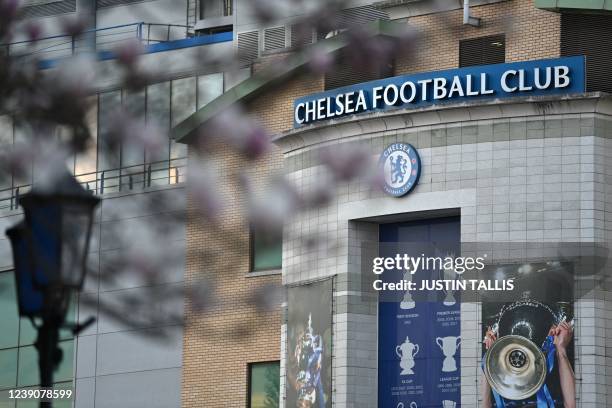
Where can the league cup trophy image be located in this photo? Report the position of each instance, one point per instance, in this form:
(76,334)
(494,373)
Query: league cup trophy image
(518,362)
(309,353)
(448,404)
(407,302)
(449,346)
(406,352)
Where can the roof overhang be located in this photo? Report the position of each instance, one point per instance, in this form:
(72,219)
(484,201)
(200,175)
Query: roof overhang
(272,76)
(585,6)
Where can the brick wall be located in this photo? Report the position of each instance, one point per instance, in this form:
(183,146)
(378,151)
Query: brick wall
(275,109)
(219,344)
(531,33)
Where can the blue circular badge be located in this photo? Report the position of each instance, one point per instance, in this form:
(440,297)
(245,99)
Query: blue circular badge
(401,167)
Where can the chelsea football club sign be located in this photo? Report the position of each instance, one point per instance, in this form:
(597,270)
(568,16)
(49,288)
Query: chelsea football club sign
(401,167)
(559,76)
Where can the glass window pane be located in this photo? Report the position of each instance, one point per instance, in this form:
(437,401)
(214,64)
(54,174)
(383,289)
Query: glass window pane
(209,87)
(158,113)
(264,385)
(267,250)
(64,371)
(28,364)
(133,153)
(108,158)
(8,373)
(183,99)
(86,161)
(6,130)
(183,105)
(4,396)
(27,332)
(9,320)
(22,135)
(71,318)
(108,154)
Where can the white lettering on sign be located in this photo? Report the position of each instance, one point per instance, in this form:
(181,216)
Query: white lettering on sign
(437,88)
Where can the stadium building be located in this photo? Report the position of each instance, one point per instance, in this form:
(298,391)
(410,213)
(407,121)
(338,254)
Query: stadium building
(500,155)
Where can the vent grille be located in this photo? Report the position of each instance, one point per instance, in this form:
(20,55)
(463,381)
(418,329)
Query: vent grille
(360,15)
(482,51)
(248,47)
(49,9)
(301,35)
(345,73)
(274,38)
(589,35)
(111,3)
(356,16)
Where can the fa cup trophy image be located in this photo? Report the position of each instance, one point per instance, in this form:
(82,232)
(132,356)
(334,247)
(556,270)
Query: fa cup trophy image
(406,352)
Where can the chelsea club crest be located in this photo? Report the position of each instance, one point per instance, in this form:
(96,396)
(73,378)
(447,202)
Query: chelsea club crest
(401,167)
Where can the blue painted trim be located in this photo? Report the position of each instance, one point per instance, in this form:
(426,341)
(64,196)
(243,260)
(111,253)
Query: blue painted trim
(190,42)
(154,48)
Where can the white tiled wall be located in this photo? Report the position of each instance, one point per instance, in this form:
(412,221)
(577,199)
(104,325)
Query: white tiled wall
(522,171)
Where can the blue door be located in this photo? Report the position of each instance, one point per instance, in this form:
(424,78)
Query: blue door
(419,335)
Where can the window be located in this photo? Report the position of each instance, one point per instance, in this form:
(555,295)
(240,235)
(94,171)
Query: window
(482,51)
(266,250)
(589,35)
(215,8)
(18,356)
(264,384)
(209,88)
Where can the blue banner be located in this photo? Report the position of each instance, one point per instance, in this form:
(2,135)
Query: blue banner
(529,78)
(419,341)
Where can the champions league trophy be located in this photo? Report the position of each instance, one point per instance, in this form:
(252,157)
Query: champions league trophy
(309,355)
(517,363)
(449,346)
(406,352)
(407,303)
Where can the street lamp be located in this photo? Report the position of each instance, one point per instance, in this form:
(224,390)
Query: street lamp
(50,254)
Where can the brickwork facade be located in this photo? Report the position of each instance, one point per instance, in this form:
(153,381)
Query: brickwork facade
(531,33)
(230,331)
(466,165)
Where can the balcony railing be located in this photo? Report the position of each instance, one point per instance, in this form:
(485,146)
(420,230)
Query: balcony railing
(98,40)
(133,178)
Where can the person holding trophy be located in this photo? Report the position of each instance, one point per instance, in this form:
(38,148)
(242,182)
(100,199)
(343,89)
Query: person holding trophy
(561,335)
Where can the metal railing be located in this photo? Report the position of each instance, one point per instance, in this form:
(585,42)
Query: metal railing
(99,39)
(132,178)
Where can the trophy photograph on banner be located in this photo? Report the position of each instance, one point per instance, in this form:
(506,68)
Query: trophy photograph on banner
(528,347)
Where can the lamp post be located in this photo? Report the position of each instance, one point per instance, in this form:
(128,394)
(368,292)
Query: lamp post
(50,253)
